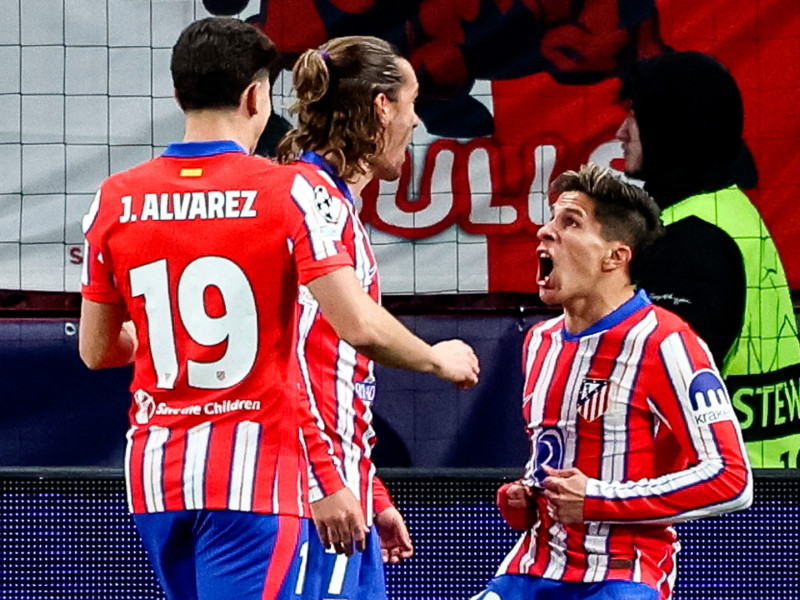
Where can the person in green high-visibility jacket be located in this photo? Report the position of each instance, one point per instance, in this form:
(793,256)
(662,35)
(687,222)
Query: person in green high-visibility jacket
(717,265)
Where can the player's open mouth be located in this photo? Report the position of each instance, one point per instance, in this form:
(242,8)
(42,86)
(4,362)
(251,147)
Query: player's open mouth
(545,267)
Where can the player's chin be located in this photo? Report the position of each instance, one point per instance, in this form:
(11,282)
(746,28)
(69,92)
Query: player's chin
(388,171)
(549,296)
(633,168)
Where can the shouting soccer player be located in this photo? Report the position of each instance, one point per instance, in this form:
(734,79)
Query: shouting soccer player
(356,116)
(631,427)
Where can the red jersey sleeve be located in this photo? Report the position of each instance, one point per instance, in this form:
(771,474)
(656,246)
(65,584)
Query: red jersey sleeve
(322,461)
(97,281)
(381,498)
(318,221)
(518,518)
(691,404)
(317,225)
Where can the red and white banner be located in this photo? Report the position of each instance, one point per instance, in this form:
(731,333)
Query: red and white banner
(512,92)
(552,66)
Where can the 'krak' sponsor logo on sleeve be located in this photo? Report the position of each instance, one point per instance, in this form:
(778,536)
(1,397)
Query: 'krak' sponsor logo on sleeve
(709,398)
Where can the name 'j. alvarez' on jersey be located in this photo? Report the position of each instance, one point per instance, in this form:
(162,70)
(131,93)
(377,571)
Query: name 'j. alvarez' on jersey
(187,206)
(208,272)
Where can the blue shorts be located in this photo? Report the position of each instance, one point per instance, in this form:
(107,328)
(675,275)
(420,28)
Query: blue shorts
(356,577)
(224,554)
(528,587)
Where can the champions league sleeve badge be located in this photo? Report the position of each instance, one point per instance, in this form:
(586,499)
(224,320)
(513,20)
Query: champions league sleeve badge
(328,206)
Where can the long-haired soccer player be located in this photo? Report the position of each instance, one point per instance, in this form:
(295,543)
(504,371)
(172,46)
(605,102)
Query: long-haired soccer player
(355,109)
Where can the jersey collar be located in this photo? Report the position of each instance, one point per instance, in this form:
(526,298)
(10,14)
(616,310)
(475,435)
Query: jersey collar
(639,300)
(316,159)
(197,149)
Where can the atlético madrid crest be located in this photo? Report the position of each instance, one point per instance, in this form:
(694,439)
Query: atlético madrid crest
(593,400)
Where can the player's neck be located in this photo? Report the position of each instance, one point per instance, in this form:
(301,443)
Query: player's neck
(582,312)
(359,183)
(213,125)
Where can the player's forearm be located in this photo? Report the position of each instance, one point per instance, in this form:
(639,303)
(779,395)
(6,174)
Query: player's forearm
(326,473)
(368,327)
(117,353)
(384,339)
(103,342)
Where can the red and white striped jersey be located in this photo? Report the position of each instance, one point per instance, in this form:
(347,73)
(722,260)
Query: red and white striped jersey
(339,381)
(206,247)
(636,403)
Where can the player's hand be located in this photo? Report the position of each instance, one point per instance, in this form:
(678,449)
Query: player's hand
(565,490)
(515,502)
(396,543)
(128,336)
(129,329)
(518,495)
(340,522)
(456,362)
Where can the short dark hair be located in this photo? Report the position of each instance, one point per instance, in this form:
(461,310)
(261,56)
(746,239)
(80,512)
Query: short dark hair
(626,212)
(215,59)
(336,86)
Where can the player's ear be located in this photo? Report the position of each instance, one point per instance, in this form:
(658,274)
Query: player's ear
(618,255)
(251,97)
(383,108)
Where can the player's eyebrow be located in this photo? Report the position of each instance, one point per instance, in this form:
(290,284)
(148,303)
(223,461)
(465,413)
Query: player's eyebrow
(569,209)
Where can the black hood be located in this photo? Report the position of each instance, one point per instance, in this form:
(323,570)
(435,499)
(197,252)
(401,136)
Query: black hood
(689,112)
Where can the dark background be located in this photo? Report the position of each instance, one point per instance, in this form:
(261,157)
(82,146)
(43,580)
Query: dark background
(57,413)
(71,538)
